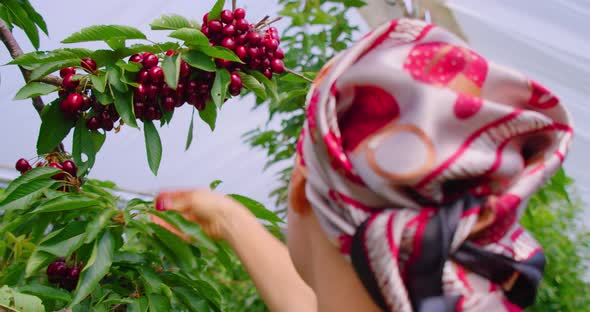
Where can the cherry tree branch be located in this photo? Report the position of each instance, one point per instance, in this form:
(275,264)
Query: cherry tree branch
(15,51)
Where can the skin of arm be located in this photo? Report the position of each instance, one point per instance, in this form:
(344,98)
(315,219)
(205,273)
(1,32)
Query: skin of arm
(265,258)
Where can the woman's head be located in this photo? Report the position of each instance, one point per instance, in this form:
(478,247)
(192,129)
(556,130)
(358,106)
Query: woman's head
(419,157)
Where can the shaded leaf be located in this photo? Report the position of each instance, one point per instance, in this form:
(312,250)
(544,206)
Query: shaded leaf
(124,106)
(190,36)
(54,128)
(253,85)
(189,137)
(220,85)
(199,60)
(209,114)
(171,68)
(153,146)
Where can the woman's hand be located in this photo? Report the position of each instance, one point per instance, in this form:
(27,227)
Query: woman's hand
(208,209)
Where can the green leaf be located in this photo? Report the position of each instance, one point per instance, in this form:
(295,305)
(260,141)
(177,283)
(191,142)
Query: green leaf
(153,146)
(99,82)
(199,60)
(21,19)
(189,137)
(104,98)
(129,258)
(124,106)
(220,52)
(66,202)
(171,68)
(138,305)
(130,67)
(151,281)
(25,194)
(158,302)
(98,266)
(354,3)
(116,43)
(114,76)
(190,36)
(98,224)
(37,260)
(15,301)
(48,68)
(35,16)
(213,185)
(170,22)
(191,298)
(103,33)
(64,242)
(34,89)
(45,292)
(220,85)
(215,12)
(54,128)
(289,77)
(253,85)
(257,209)
(184,257)
(35,58)
(188,228)
(86,142)
(33,174)
(209,114)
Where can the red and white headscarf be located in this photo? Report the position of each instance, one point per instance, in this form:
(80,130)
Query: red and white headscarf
(420,157)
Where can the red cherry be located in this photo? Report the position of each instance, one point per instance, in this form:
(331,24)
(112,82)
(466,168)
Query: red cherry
(273,32)
(241,52)
(235,81)
(229,43)
(170,52)
(180,90)
(67,71)
(73,273)
(169,103)
(140,91)
(107,124)
(22,165)
(241,39)
(92,123)
(152,91)
(204,88)
(156,74)
(277,66)
(150,60)
(242,25)
(185,69)
(158,113)
(267,73)
(205,30)
(88,64)
(138,109)
(271,44)
(75,101)
(265,63)
(105,115)
(61,93)
(59,176)
(150,113)
(68,83)
(253,52)
(70,167)
(229,30)
(279,54)
(160,203)
(235,91)
(227,16)
(254,63)
(223,63)
(137,58)
(165,90)
(254,38)
(214,26)
(56,271)
(192,87)
(239,13)
(143,76)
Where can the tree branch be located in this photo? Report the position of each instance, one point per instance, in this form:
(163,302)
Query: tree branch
(15,51)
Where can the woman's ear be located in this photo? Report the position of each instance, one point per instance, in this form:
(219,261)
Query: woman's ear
(297,199)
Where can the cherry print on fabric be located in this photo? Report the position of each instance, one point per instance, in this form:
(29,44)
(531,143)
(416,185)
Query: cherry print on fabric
(311,115)
(467,105)
(371,110)
(541,97)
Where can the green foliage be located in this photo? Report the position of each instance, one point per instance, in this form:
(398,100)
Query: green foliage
(318,30)
(21,13)
(129,263)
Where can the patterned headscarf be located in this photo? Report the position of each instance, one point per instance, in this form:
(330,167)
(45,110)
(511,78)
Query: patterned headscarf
(420,157)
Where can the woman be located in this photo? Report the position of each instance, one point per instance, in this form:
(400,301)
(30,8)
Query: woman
(416,160)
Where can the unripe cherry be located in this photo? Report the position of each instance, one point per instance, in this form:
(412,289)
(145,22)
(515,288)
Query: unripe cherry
(239,13)
(67,71)
(227,16)
(88,64)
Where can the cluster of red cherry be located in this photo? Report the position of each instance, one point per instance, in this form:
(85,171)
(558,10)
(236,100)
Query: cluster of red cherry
(257,48)
(66,277)
(67,167)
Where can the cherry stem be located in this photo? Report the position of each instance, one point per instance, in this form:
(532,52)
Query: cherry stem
(233,5)
(276,19)
(262,22)
(290,71)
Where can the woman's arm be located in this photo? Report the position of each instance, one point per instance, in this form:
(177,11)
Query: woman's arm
(266,258)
